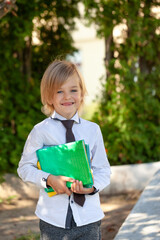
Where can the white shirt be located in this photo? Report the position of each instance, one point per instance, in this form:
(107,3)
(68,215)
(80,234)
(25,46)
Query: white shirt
(51,132)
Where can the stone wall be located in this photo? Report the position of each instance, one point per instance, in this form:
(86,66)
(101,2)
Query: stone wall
(123,179)
(131,177)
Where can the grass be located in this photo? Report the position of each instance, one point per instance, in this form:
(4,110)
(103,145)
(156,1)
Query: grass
(8,200)
(30,236)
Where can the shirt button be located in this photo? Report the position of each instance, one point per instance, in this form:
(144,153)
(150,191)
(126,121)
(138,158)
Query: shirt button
(72,201)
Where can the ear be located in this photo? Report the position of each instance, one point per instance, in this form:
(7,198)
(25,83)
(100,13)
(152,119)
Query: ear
(49,102)
(82,96)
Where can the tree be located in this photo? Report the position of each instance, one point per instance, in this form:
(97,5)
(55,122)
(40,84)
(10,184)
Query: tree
(7,6)
(23,61)
(129,112)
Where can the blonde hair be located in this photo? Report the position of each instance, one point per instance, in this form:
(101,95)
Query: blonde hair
(53,78)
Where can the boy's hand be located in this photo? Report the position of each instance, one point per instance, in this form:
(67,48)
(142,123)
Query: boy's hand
(58,183)
(77,187)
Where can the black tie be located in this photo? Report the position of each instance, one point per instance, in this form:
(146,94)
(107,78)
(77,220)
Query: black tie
(69,134)
(78,198)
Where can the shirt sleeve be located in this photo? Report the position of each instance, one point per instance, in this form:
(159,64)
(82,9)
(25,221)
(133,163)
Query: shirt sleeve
(100,164)
(27,169)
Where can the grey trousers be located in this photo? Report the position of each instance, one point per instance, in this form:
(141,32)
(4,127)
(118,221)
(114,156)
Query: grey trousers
(87,232)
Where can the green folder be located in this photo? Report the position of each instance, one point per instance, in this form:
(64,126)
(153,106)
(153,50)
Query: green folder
(70,159)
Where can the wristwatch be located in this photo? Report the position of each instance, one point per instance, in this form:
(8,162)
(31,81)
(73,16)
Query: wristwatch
(45,180)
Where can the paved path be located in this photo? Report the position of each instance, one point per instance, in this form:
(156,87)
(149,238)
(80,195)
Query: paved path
(143,223)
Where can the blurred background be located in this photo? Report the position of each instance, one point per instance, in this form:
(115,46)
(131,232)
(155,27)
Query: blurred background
(116,46)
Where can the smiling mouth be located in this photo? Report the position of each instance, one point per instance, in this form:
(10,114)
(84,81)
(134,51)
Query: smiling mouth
(68,104)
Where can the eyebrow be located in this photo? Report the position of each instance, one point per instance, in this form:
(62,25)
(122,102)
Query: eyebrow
(70,87)
(74,86)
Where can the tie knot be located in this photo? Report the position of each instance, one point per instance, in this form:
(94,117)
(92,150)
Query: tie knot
(67,123)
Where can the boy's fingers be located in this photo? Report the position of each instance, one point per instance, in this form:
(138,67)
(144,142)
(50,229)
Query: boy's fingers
(73,187)
(68,179)
(81,186)
(68,192)
(77,186)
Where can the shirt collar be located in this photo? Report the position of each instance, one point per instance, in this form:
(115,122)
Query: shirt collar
(60,117)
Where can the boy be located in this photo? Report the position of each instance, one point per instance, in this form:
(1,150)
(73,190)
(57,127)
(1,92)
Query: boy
(62,94)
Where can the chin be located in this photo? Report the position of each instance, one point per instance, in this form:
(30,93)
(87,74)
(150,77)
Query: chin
(70,115)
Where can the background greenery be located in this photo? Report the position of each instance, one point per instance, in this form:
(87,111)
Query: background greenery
(22,65)
(129,112)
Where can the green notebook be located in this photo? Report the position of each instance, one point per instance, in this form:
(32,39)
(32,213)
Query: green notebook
(69,160)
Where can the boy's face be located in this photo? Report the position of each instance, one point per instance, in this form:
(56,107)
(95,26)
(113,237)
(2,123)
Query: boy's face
(67,99)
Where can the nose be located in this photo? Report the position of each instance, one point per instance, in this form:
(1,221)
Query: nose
(66,95)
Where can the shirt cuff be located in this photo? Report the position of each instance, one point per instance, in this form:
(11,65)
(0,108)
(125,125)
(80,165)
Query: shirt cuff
(94,192)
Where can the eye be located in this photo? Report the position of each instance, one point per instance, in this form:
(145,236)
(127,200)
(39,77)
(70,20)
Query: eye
(59,91)
(74,90)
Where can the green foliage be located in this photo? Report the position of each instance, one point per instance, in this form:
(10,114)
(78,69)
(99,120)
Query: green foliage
(22,64)
(129,113)
(8,200)
(30,236)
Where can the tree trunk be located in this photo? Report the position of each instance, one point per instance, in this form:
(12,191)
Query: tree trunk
(108,53)
(27,56)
